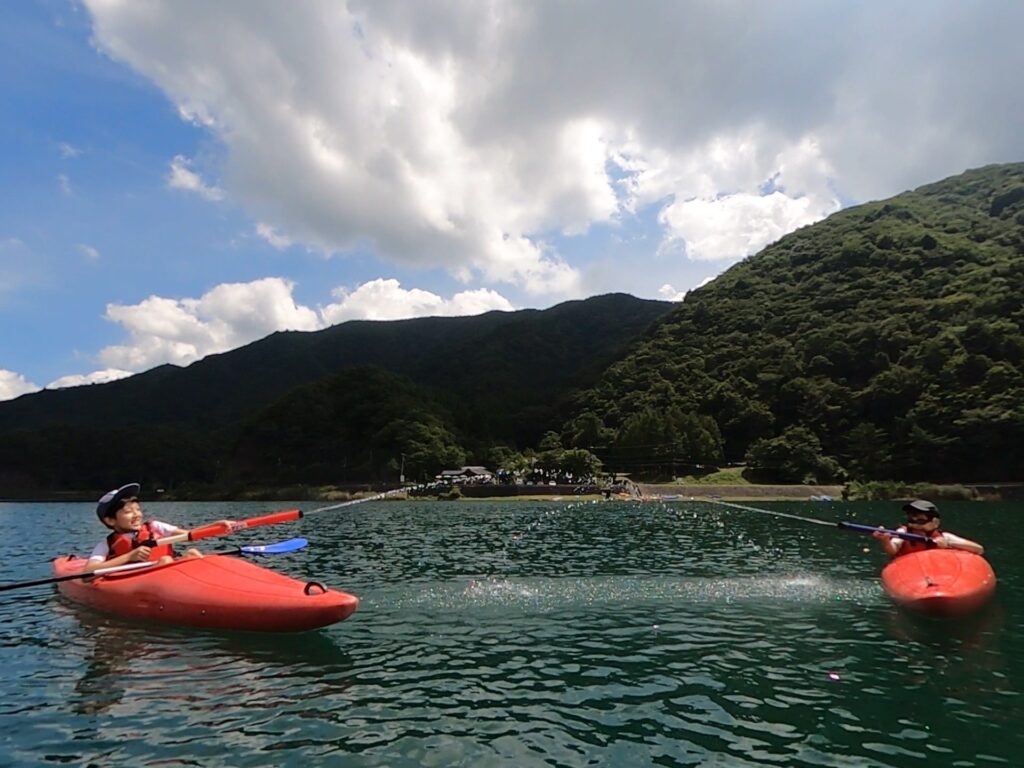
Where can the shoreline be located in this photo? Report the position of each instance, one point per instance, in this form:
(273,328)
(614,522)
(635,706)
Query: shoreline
(655,492)
(737,492)
(745,492)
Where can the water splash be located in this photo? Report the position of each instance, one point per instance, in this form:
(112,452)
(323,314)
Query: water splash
(557,594)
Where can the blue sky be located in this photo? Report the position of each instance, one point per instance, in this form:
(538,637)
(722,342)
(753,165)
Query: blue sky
(183,177)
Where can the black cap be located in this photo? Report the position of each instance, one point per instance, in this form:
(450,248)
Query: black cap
(922,506)
(111,499)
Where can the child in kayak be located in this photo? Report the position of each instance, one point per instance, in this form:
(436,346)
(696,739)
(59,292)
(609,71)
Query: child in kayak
(923,519)
(130,540)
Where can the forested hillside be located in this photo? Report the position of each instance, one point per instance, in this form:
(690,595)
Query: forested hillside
(884,342)
(501,377)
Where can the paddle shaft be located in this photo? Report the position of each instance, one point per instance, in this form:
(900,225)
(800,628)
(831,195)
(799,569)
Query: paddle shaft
(887,531)
(771,512)
(844,525)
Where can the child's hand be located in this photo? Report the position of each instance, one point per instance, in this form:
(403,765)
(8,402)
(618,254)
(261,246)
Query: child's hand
(941,543)
(139,555)
(880,535)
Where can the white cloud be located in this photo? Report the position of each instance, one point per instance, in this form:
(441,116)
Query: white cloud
(88,251)
(181,176)
(181,331)
(272,236)
(67,151)
(163,330)
(97,377)
(668,293)
(775,188)
(14,385)
(469,136)
(735,226)
(385,299)
(64,184)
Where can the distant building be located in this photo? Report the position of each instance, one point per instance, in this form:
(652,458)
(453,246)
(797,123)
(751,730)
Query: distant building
(466,475)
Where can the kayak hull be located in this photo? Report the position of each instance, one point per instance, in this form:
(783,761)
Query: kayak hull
(213,592)
(939,582)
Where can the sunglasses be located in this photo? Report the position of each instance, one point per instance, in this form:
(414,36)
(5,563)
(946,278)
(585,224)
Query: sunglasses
(919,519)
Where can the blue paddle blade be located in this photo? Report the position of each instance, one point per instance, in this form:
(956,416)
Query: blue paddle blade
(282,547)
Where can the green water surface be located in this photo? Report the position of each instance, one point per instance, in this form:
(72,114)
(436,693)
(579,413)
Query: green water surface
(529,634)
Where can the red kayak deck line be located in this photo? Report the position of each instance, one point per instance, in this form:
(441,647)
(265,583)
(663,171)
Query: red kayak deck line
(940,582)
(216,592)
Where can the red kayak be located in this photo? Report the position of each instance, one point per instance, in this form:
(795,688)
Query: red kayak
(939,582)
(216,592)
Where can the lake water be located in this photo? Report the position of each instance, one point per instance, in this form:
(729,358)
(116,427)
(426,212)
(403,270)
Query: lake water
(528,634)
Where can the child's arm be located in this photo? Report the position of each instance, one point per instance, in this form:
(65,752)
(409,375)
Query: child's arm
(891,544)
(952,541)
(166,529)
(135,556)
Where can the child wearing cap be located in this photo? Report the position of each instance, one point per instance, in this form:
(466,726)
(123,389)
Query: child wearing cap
(923,519)
(131,540)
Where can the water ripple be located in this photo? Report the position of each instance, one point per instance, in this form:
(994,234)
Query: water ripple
(526,634)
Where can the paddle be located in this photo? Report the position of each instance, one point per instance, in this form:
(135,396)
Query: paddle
(282,547)
(899,534)
(230,526)
(844,525)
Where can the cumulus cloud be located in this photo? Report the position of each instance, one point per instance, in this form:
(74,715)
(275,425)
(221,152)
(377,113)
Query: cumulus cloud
(97,377)
(669,293)
(14,385)
(181,176)
(467,135)
(387,300)
(181,331)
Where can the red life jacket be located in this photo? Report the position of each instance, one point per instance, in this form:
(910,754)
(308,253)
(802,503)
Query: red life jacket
(123,543)
(908,546)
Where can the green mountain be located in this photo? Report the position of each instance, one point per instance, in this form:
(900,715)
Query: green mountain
(501,377)
(886,341)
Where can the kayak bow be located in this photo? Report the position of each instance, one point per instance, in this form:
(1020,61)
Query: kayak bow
(939,582)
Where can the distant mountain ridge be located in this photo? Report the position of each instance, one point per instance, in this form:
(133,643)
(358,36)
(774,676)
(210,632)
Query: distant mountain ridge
(526,357)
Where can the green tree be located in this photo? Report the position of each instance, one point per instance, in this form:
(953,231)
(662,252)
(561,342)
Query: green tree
(793,457)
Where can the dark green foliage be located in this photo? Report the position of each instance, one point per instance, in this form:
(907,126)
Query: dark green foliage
(891,335)
(357,424)
(460,384)
(792,457)
(502,373)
